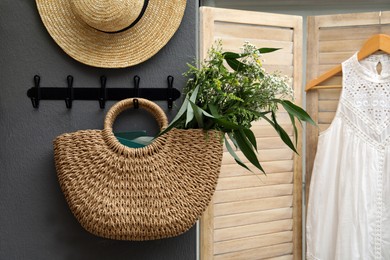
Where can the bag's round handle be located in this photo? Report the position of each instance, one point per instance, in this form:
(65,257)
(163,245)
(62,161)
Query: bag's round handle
(148,105)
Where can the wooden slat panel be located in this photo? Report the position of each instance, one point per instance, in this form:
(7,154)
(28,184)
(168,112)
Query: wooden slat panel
(269,167)
(341,46)
(263,30)
(351,33)
(323,127)
(206,228)
(225,234)
(334,57)
(269,131)
(297,191)
(329,94)
(256,18)
(327,105)
(311,98)
(249,179)
(265,143)
(252,242)
(252,205)
(222,196)
(282,117)
(286,70)
(252,218)
(278,58)
(348,20)
(258,253)
(325,117)
(322,68)
(283,257)
(264,156)
(234,30)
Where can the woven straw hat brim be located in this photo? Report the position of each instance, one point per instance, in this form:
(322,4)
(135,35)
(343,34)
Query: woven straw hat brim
(138,194)
(112,50)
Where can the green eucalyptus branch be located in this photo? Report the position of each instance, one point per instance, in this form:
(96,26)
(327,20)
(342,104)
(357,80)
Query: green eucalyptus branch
(230,100)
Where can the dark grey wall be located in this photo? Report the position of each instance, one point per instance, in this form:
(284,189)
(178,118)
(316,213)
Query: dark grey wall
(35,222)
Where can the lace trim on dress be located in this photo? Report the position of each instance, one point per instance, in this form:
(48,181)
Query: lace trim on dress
(367,91)
(378,129)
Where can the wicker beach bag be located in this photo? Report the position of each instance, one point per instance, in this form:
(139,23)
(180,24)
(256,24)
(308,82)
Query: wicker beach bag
(147,193)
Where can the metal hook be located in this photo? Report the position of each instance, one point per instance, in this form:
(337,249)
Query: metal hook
(69,98)
(135,103)
(35,100)
(170,91)
(136,91)
(103,92)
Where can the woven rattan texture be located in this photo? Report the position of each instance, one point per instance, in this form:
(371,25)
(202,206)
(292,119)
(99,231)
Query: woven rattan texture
(108,15)
(138,194)
(110,50)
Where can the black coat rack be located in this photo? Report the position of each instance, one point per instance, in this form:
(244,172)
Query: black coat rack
(101,94)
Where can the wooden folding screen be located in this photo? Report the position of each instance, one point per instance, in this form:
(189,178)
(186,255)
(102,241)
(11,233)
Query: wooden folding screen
(253,216)
(331,40)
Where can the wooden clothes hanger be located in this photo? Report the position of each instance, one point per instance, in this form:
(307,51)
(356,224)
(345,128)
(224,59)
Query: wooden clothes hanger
(378,42)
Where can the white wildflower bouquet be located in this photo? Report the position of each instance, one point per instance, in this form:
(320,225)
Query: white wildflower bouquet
(229,100)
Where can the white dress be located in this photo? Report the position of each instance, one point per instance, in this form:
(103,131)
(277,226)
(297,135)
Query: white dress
(349,202)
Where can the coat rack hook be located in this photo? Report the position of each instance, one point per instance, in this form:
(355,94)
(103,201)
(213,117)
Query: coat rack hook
(103,92)
(136,91)
(35,100)
(69,98)
(170,91)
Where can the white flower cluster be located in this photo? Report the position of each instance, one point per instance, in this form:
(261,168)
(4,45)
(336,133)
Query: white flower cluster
(274,83)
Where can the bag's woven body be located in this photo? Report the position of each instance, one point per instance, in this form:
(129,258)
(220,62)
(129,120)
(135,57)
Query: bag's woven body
(138,193)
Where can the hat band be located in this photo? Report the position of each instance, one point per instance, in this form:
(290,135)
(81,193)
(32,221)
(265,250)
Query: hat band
(135,21)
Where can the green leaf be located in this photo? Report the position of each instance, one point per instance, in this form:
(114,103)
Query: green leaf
(235,64)
(259,114)
(190,111)
(227,124)
(296,111)
(194,94)
(198,114)
(179,114)
(268,50)
(281,132)
(233,153)
(283,135)
(233,140)
(245,138)
(292,118)
(182,110)
(231,55)
(201,110)
(251,137)
(247,149)
(190,114)
(207,114)
(214,110)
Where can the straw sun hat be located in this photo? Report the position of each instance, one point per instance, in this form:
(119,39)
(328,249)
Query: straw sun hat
(111,33)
